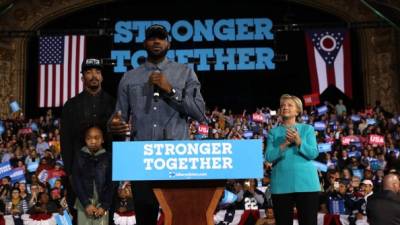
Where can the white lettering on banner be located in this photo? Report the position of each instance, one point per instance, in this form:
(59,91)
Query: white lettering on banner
(5,169)
(193,149)
(215,148)
(203,129)
(205,156)
(258,117)
(376,139)
(216,163)
(158,147)
(169,149)
(17,173)
(180,149)
(147,149)
(205,163)
(187,149)
(232,29)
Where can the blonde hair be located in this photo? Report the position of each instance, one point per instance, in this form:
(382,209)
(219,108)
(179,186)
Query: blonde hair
(296,100)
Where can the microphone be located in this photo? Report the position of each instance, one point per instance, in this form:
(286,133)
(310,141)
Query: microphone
(194,100)
(156,90)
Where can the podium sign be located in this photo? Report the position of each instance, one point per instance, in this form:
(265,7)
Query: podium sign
(187,160)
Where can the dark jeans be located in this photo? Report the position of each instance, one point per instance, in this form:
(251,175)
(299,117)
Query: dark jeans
(306,204)
(146,214)
(146,204)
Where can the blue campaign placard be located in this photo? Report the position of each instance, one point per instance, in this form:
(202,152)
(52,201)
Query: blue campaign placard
(320,166)
(305,118)
(2,129)
(187,160)
(64,219)
(324,147)
(319,126)
(17,175)
(228,198)
(34,126)
(5,169)
(371,121)
(248,134)
(356,154)
(14,106)
(355,118)
(32,167)
(359,173)
(322,110)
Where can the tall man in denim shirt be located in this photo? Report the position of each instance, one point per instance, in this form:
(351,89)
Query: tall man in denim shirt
(157,98)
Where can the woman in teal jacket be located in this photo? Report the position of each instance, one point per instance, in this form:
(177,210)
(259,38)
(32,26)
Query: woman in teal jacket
(291,147)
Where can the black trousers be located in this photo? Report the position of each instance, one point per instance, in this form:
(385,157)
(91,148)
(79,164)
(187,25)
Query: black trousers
(146,204)
(306,204)
(146,214)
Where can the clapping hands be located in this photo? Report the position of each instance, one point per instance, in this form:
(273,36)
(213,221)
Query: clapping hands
(293,137)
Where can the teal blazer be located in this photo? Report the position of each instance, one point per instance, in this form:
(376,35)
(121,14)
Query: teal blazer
(293,170)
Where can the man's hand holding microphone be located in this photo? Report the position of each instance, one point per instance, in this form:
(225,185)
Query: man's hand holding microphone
(160,82)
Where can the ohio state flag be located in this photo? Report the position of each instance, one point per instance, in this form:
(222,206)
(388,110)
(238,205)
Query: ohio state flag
(329,59)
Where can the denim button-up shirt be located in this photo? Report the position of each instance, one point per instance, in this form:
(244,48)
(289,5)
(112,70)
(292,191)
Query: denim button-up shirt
(165,118)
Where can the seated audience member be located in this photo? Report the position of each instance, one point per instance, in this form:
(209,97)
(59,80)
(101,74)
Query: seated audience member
(250,198)
(124,205)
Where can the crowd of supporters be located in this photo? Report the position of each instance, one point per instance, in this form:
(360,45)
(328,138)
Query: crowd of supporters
(357,148)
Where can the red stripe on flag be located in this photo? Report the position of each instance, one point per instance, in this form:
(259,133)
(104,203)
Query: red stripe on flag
(62,85)
(46,85)
(54,86)
(312,65)
(347,66)
(62,78)
(330,72)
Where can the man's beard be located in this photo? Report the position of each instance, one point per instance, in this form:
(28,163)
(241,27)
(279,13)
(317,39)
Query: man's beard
(93,87)
(156,55)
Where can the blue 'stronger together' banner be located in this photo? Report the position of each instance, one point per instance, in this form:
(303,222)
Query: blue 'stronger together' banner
(5,169)
(183,160)
(212,33)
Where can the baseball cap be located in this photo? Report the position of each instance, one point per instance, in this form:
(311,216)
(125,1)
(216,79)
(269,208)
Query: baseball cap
(156,30)
(368,182)
(91,63)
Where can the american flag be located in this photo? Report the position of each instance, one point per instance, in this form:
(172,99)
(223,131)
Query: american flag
(329,59)
(59,68)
